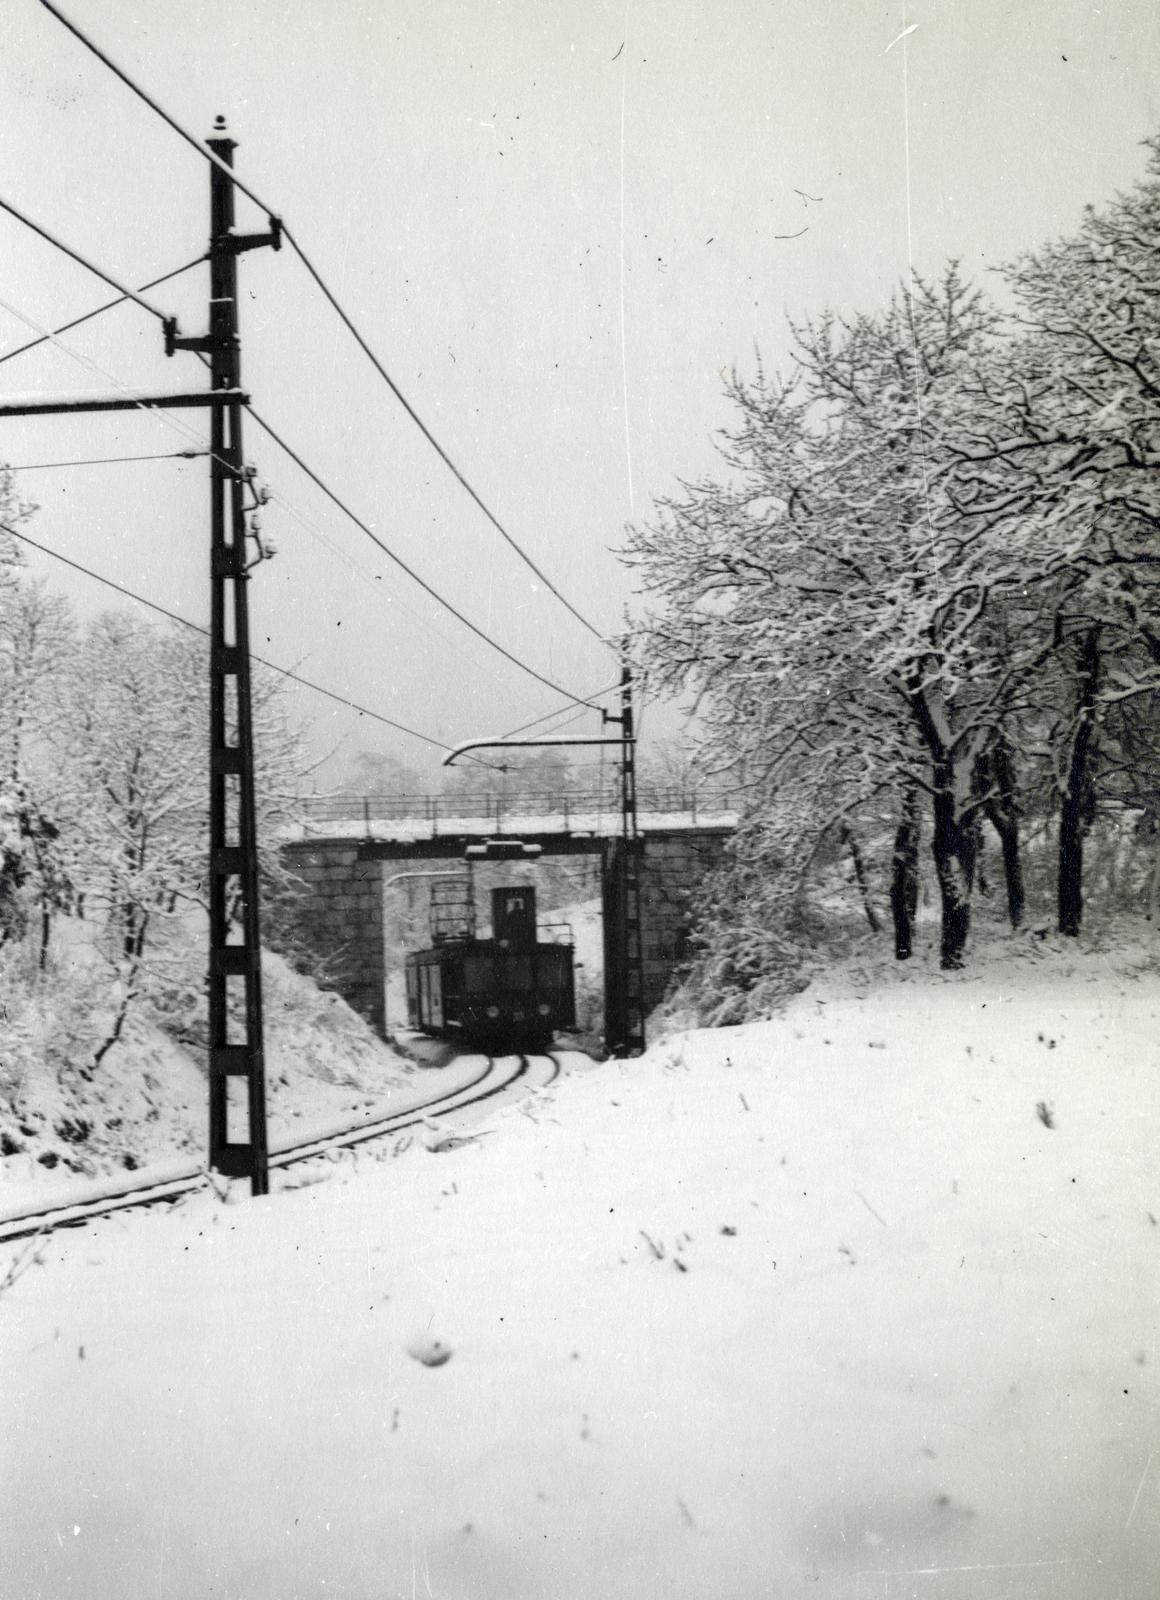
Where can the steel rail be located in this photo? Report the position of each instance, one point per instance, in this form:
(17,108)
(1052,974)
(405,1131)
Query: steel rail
(361,1133)
(45,1220)
(364,1133)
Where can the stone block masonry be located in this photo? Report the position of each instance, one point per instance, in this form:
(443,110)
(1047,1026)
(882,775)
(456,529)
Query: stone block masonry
(339,895)
(339,921)
(672,870)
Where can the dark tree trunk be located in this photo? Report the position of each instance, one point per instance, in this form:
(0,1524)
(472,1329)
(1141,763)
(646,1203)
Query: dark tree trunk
(951,843)
(954,885)
(1007,827)
(970,833)
(1075,811)
(114,1033)
(904,877)
(850,839)
(135,925)
(1003,814)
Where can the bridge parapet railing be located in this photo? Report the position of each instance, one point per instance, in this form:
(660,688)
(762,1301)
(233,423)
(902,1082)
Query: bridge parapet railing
(565,803)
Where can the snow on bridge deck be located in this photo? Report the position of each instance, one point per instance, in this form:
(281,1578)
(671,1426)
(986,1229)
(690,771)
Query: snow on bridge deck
(338,858)
(388,823)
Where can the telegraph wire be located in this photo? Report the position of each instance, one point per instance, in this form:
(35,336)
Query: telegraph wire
(109,305)
(568,718)
(103,461)
(309,471)
(433,441)
(372,583)
(161,415)
(363,527)
(195,627)
(172,422)
(52,336)
(410,571)
(206,155)
(287,234)
(75,255)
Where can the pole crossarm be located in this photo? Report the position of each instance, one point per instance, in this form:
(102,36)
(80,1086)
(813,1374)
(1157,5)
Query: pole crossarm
(498,743)
(125,402)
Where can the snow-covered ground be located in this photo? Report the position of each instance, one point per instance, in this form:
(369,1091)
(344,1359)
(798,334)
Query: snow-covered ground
(859,1303)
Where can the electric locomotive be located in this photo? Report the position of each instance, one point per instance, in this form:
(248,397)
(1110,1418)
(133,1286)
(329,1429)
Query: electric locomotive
(514,990)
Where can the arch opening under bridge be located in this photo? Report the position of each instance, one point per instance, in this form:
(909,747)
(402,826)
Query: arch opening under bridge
(341,863)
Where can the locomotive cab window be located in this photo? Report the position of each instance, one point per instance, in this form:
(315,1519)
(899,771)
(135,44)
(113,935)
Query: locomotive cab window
(478,974)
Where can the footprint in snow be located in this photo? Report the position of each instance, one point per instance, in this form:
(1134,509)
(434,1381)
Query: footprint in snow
(437,1138)
(431,1352)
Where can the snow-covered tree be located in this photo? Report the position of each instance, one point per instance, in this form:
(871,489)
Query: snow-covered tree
(35,639)
(374,772)
(130,757)
(828,631)
(1058,469)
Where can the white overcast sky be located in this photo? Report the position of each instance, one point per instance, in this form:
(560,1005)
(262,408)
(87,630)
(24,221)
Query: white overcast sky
(557,224)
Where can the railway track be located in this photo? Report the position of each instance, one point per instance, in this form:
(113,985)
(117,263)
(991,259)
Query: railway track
(498,1074)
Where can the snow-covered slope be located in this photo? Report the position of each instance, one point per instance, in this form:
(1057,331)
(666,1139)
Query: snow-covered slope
(65,1121)
(857,1303)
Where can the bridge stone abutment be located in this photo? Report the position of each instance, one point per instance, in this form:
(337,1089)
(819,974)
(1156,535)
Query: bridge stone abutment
(338,920)
(337,907)
(673,866)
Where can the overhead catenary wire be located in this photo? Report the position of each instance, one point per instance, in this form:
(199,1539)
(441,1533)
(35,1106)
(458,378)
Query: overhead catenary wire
(126,293)
(188,433)
(443,455)
(209,155)
(83,260)
(203,449)
(109,305)
(182,133)
(195,627)
(162,416)
(52,336)
(298,460)
(569,717)
(372,583)
(102,461)
(403,566)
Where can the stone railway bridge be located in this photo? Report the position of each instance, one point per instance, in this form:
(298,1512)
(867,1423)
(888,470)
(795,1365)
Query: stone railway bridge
(339,867)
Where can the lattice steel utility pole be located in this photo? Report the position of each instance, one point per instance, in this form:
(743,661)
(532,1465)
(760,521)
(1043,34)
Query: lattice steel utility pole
(623,942)
(236,1050)
(233,866)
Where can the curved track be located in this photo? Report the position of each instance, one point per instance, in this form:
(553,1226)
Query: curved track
(498,1074)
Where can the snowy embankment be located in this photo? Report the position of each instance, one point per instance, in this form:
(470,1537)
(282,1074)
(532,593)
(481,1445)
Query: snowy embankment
(64,1131)
(857,1303)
